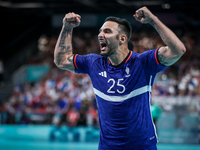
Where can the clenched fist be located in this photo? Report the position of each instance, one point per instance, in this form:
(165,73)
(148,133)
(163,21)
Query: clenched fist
(144,15)
(71,20)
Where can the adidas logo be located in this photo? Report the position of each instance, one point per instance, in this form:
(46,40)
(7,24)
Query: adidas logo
(104,74)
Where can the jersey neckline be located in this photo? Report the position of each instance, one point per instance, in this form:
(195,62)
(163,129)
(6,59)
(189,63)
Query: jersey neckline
(123,62)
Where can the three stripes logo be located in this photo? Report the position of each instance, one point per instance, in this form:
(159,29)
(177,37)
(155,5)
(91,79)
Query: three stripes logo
(103,74)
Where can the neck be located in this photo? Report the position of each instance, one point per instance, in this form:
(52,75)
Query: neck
(119,56)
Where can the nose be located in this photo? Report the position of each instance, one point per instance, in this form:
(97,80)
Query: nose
(100,35)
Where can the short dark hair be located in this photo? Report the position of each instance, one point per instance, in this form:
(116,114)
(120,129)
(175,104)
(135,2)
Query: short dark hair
(124,25)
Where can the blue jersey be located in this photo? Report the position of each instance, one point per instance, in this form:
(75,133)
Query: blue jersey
(123,95)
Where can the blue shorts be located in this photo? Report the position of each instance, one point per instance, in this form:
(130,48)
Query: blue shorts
(151,148)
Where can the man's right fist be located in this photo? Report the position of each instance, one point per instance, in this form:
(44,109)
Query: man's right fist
(71,20)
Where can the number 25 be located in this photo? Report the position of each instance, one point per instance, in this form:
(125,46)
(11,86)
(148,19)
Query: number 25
(118,84)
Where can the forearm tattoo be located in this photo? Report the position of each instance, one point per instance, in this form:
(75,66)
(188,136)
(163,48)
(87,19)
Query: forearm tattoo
(162,59)
(66,32)
(64,49)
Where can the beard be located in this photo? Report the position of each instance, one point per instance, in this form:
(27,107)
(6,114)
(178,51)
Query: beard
(108,52)
(110,48)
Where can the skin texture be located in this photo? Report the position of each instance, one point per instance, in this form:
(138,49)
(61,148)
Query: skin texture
(174,48)
(116,41)
(63,55)
(117,48)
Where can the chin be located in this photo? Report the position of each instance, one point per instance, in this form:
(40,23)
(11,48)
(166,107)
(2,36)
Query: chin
(104,54)
(107,52)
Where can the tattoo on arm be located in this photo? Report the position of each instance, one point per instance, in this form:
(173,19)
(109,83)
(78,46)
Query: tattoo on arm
(65,33)
(66,49)
(162,59)
(62,57)
(70,60)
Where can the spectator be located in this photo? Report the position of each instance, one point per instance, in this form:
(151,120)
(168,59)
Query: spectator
(53,95)
(82,118)
(155,112)
(72,117)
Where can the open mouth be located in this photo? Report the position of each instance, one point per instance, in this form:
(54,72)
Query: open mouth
(103,45)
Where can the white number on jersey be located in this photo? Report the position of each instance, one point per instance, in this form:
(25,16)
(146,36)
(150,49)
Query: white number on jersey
(118,84)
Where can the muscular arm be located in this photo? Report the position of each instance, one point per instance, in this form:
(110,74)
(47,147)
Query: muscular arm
(63,55)
(169,54)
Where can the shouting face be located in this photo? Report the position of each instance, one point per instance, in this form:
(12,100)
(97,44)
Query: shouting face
(108,38)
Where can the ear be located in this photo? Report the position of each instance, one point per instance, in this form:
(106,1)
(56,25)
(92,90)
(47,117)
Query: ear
(122,38)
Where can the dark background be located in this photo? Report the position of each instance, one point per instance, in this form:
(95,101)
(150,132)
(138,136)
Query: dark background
(23,21)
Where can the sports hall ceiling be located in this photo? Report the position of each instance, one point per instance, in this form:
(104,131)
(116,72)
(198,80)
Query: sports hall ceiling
(18,16)
(97,6)
(22,20)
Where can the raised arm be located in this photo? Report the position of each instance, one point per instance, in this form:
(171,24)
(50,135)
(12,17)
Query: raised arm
(174,48)
(63,54)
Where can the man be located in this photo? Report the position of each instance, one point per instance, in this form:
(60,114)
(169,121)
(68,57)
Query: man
(122,79)
(156,112)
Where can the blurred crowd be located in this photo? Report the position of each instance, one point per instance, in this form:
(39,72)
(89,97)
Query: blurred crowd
(63,97)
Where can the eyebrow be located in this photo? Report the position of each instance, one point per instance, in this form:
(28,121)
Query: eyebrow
(106,29)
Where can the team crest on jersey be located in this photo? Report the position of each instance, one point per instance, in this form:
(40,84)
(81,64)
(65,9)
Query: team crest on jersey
(127,72)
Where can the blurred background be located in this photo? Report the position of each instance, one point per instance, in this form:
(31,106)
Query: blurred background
(43,107)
